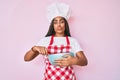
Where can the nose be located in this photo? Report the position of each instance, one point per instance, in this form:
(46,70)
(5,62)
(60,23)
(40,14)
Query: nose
(58,23)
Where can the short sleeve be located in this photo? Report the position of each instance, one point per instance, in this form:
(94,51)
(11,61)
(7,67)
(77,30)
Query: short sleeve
(43,42)
(76,47)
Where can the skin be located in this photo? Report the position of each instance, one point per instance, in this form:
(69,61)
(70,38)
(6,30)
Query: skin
(59,27)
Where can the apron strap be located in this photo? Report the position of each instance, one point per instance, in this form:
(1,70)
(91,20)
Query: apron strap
(68,42)
(52,39)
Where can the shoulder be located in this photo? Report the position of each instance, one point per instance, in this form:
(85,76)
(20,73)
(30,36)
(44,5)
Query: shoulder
(72,39)
(44,41)
(45,38)
(75,44)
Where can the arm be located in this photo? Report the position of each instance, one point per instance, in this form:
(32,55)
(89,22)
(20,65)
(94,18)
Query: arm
(80,59)
(34,52)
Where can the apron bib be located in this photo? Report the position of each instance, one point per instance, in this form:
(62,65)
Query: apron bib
(56,72)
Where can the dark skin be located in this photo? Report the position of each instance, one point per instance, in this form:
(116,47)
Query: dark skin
(59,27)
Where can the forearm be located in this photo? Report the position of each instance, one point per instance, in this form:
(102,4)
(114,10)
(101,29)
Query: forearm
(30,55)
(78,61)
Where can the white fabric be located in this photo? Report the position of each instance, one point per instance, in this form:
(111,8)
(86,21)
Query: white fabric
(61,41)
(58,9)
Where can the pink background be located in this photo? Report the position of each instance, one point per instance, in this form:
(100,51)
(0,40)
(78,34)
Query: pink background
(95,23)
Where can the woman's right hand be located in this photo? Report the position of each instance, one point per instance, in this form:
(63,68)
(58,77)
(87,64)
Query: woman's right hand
(40,49)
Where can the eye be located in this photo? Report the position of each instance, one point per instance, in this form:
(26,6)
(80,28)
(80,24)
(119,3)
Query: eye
(55,22)
(62,21)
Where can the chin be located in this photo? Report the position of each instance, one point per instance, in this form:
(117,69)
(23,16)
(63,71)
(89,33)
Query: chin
(60,32)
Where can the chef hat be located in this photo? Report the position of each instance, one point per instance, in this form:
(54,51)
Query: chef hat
(58,9)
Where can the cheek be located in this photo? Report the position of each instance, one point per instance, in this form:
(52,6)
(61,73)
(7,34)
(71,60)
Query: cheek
(55,26)
(63,26)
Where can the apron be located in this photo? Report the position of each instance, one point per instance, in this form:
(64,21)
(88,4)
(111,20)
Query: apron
(56,72)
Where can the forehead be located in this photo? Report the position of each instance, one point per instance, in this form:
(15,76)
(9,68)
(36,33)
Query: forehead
(58,18)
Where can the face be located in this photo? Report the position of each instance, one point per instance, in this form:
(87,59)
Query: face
(59,25)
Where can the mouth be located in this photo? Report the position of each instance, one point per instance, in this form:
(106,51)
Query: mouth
(59,29)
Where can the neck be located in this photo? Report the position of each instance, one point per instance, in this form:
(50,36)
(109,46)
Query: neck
(59,35)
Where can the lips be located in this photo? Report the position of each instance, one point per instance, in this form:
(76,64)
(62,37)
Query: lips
(59,28)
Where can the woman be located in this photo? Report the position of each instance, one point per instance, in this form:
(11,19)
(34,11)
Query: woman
(58,40)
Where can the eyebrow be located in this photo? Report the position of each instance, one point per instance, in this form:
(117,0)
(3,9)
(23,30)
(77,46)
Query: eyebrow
(60,19)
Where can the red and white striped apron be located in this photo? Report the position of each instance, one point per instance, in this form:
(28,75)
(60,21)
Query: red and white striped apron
(56,72)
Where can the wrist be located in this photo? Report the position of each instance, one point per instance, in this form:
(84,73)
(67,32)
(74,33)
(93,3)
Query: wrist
(74,61)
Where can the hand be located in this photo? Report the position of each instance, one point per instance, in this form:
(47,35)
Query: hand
(65,61)
(40,49)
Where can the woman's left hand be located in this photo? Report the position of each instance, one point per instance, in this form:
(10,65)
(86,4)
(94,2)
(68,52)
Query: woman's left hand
(65,61)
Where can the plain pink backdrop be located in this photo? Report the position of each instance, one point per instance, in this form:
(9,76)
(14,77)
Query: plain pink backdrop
(95,23)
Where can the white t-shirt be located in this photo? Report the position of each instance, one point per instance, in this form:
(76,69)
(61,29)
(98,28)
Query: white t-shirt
(61,41)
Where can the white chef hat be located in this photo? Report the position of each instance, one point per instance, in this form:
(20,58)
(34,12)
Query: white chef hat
(58,9)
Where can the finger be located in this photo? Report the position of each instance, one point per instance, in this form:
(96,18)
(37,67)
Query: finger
(62,65)
(35,49)
(59,60)
(64,59)
(46,51)
(65,65)
(43,51)
(66,55)
(38,50)
(58,64)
